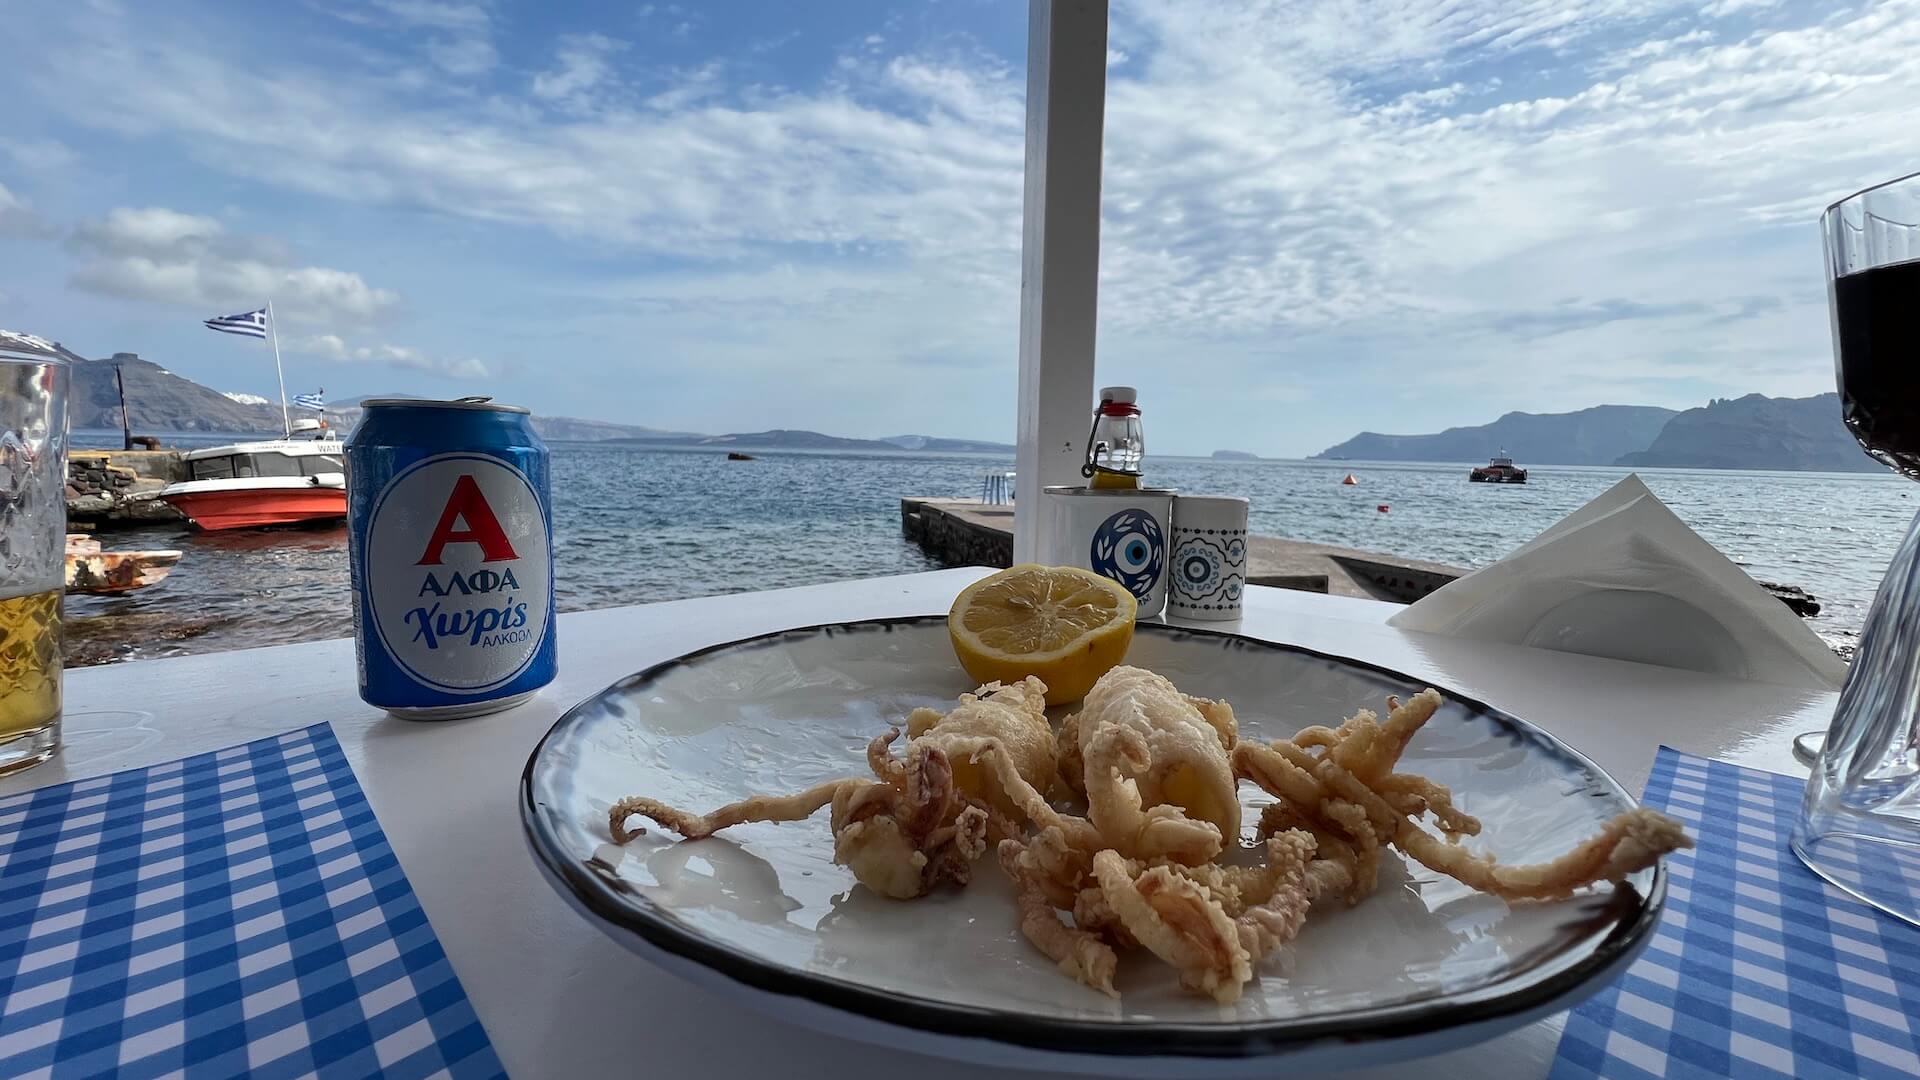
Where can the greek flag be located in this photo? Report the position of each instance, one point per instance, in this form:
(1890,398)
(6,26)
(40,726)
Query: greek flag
(316,400)
(250,324)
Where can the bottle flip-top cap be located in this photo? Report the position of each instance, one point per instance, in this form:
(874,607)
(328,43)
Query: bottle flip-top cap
(1123,395)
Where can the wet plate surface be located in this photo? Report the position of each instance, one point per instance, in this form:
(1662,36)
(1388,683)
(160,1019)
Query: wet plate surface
(1423,965)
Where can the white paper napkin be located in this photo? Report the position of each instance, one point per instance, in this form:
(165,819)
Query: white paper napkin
(1623,577)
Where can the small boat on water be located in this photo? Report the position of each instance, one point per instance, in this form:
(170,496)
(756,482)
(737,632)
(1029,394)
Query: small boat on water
(1500,470)
(274,482)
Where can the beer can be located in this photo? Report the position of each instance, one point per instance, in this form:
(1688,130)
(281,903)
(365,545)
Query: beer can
(450,540)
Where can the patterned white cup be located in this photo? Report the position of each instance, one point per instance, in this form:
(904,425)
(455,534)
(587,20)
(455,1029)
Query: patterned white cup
(1121,533)
(1208,571)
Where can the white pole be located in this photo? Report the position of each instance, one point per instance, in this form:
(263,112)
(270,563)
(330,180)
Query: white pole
(273,328)
(1059,253)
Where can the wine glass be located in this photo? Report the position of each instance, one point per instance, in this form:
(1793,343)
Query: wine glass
(1860,825)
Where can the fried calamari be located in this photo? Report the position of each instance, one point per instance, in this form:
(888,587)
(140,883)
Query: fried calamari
(916,824)
(1159,772)
(1141,872)
(1350,799)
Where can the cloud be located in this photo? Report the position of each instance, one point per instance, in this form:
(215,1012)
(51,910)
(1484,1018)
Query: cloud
(154,253)
(1387,189)
(462,32)
(1574,315)
(583,66)
(334,347)
(922,154)
(37,154)
(17,218)
(463,56)
(151,230)
(471,18)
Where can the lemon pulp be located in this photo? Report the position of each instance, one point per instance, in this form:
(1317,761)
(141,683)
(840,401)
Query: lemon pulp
(1062,624)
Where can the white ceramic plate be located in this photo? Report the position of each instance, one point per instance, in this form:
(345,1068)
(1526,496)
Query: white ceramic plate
(762,912)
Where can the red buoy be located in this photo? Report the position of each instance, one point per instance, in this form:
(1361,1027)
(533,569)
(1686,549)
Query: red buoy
(1382,508)
(1349,481)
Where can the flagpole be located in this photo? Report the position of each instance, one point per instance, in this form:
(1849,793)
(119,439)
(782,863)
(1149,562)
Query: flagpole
(273,327)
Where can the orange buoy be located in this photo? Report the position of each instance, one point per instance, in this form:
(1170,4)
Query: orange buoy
(1382,508)
(1349,481)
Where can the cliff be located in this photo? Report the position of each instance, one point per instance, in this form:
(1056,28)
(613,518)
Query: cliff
(1758,432)
(158,400)
(1596,436)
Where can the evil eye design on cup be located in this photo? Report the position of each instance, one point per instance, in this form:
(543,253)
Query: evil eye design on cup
(1196,568)
(1129,548)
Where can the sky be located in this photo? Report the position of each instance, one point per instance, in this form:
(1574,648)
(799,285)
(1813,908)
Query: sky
(1318,216)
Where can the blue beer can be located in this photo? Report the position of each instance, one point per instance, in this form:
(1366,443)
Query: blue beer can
(451,545)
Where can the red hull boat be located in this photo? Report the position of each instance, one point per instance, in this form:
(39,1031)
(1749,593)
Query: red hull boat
(254,485)
(255,507)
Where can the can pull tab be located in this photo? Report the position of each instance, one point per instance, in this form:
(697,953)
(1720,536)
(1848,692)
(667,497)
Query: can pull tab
(473,399)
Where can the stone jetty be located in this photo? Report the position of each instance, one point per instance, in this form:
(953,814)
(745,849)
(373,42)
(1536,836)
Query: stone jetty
(968,532)
(107,488)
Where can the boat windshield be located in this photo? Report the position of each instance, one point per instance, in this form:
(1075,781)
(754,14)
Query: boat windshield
(231,466)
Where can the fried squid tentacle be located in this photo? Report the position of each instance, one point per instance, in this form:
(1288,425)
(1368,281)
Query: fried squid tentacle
(1275,918)
(903,838)
(925,818)
(693,826)
(1177,919)
(1625,845)
(1078,950)
(902,835)
(1349,791)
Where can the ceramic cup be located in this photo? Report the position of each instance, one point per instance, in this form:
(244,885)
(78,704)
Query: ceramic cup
(1209,568)
(1119,533)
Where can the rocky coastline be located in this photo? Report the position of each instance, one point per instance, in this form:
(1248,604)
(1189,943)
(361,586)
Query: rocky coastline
(109,488)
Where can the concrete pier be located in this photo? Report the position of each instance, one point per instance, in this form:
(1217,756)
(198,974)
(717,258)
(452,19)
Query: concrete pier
(966,532)
(107,488)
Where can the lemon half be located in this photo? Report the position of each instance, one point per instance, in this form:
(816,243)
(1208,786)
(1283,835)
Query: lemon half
(1065,625)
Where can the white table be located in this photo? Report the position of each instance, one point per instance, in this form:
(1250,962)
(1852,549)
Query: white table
(560,998)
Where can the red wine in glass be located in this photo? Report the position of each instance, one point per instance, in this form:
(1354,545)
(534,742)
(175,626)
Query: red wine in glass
(1860,821)
(1877,337)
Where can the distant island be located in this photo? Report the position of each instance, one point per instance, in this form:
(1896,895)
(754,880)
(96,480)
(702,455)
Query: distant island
(1751,432)
(785,439)
(1596,436)
(344,414)
(159,401)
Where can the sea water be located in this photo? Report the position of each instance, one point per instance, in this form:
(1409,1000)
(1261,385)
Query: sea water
(633,525)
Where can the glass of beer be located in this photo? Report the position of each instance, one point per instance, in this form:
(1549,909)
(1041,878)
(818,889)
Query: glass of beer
(33,529)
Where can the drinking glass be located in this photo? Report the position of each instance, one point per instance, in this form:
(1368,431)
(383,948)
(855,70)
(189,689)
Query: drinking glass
(33,527)
(1860,825)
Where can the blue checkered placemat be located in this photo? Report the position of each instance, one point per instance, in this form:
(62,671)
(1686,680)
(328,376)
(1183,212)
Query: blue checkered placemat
(1759,968)
(232,913)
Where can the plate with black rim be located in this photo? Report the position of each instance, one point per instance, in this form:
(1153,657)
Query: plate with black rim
(761,911)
